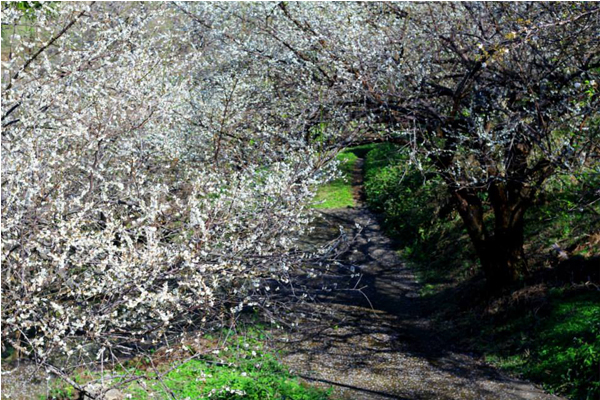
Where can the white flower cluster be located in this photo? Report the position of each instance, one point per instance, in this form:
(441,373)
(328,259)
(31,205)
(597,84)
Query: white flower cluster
(139,196)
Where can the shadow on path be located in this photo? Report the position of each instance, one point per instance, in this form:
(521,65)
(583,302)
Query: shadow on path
(366,335)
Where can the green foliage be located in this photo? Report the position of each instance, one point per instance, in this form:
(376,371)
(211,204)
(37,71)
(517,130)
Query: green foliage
(559,346)
(244,370)
(60,392)
(338,193)
(26,7)
(410,201)
(260,377)
(567,212)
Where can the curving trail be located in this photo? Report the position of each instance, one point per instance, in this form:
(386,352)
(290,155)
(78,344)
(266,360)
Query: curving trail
(374,343)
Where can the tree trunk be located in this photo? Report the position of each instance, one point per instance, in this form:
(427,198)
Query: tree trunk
(501,253)
(502,257)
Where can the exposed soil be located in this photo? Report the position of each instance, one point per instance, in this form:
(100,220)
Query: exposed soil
(366,335)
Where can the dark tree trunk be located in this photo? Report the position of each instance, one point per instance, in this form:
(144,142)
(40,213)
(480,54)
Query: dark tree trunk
(502,257)
(509,202)
(500,252)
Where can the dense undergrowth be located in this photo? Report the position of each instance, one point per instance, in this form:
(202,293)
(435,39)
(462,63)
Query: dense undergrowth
(239,368)
(545,328)
(557,344)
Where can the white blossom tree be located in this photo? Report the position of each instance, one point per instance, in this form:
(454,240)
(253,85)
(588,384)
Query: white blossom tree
(158,159)
(142,196)
(498,97)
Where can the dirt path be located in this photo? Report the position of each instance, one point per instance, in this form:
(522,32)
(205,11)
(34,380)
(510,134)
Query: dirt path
(374,343)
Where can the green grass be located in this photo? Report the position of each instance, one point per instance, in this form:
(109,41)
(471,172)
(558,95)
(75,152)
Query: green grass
(338,193)
(199,380)
(244,370)
(558,346)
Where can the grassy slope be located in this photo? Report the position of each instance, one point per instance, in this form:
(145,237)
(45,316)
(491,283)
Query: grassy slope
(547,329)
(338,193)
(557,344)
